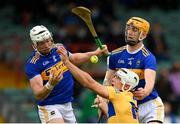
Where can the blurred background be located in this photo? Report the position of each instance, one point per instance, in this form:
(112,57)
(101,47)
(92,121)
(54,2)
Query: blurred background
(17,17)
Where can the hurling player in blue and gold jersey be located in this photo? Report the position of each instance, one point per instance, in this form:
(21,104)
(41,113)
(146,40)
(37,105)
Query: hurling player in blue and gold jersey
(136,57)
(122,106)
(44,68)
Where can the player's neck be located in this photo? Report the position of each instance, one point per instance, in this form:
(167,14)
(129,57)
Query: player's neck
(134,49)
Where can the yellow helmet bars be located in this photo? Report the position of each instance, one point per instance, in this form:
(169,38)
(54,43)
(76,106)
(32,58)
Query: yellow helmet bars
(140,23)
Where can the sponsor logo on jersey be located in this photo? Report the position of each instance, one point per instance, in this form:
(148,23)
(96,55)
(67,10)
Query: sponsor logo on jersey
(121,61)
(45,63)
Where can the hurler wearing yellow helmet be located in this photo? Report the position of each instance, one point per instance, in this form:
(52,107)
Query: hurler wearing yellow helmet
(138,25)
(136,57)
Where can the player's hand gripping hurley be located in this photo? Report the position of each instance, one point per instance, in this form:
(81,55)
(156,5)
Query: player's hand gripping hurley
(85,14)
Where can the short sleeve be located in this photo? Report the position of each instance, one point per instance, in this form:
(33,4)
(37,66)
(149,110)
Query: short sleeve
(31,70)
(111,92)
(150,62)
(111,63)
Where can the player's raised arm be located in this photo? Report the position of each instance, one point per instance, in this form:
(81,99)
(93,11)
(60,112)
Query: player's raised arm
(83,77)
(78,58)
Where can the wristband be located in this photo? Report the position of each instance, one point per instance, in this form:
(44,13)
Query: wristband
(49,86)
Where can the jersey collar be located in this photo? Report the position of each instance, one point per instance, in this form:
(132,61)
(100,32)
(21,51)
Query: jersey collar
(135,50)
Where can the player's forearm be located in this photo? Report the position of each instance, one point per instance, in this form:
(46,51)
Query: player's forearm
(82,77)
(79,58)
(148,88)
(150,76)
(43,93)
(103,108)
(40,91)
(86,80)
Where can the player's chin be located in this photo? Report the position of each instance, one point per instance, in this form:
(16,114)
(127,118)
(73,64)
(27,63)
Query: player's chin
(46,51)
(139,98)
(131,42)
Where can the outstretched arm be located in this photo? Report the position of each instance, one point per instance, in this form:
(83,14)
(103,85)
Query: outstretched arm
(83,77)
(78,58)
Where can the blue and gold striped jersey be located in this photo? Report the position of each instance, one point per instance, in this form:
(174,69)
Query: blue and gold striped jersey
(39,64)
(122,107)
(137,62)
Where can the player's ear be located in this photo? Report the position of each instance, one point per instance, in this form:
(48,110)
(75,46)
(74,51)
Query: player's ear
(142,36)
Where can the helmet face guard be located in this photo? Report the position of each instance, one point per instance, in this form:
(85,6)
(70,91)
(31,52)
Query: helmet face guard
(136,23)
(128,77)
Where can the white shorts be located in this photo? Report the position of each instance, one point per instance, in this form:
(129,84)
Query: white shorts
(152,110)
(64,111)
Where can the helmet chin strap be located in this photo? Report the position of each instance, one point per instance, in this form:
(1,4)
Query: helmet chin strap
(35,46)
(127,89)
(132,42)
(140,36)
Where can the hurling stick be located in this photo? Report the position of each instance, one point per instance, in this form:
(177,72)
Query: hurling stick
(85,14)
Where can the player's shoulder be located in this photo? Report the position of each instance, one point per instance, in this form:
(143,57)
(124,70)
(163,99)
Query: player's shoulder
(113,89)
(146,52)
(118,50)
(34,57)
